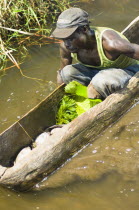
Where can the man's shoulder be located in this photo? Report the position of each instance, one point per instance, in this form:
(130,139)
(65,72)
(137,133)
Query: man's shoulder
(113,34)
(107,31)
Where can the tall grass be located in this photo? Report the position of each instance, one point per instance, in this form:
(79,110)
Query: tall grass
(26,22)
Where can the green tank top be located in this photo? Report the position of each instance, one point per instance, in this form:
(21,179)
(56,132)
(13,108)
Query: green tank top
(121,62)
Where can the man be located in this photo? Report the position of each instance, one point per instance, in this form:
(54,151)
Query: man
(107,60)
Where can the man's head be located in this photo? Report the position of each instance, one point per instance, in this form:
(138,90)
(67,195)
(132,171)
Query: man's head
(78,39)
(69,21)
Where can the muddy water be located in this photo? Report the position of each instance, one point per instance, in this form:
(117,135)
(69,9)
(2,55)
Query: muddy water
(21,93)
(104,176)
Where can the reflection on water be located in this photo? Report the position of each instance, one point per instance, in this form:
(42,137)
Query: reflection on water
(105,194)
(105,174)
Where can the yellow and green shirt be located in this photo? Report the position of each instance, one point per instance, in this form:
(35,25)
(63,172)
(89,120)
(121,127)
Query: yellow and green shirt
(122,61)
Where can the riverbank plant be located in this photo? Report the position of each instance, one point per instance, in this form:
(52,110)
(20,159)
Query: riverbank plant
(26,22)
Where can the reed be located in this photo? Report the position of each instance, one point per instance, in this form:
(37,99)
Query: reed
(26,22)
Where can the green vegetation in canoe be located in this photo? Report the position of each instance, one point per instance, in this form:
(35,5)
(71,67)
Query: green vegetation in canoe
(74,103)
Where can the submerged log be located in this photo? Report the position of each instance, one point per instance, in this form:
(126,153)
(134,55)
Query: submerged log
(61,145)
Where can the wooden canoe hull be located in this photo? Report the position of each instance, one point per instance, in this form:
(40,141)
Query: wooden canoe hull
(46,158)
(132,31)
(24,131)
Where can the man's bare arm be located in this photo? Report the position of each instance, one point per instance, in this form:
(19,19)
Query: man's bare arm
(65,59)
(65,56)
(114,45)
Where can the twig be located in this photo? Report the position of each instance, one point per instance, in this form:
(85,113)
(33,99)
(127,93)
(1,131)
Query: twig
(22,32)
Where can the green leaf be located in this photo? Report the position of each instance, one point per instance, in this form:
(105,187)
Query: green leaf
(74,103)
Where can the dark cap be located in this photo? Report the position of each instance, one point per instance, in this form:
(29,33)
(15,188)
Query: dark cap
(68,21)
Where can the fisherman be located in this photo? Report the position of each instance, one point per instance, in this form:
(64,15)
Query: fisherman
(106,59)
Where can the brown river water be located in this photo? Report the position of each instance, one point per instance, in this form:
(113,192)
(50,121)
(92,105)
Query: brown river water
(105,174)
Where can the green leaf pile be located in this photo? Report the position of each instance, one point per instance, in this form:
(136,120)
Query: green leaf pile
(74,103)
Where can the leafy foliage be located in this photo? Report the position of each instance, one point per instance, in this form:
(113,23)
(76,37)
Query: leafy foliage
(20,20)
(67,110)
(74,102)
(75,88)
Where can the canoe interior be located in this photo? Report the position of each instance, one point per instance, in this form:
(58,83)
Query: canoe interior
(24,131)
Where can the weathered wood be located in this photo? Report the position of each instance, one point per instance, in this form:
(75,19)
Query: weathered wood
(132,31)
(11,142)
(44,159)
(21,133)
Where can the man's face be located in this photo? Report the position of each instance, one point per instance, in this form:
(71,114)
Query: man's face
(75,42)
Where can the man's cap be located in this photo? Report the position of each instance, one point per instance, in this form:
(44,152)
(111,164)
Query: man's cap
(68,21)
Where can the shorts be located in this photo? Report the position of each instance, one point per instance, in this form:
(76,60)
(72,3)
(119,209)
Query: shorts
(104,81)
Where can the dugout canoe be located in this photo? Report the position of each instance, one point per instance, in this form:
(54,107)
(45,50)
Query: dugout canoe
(22,174)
